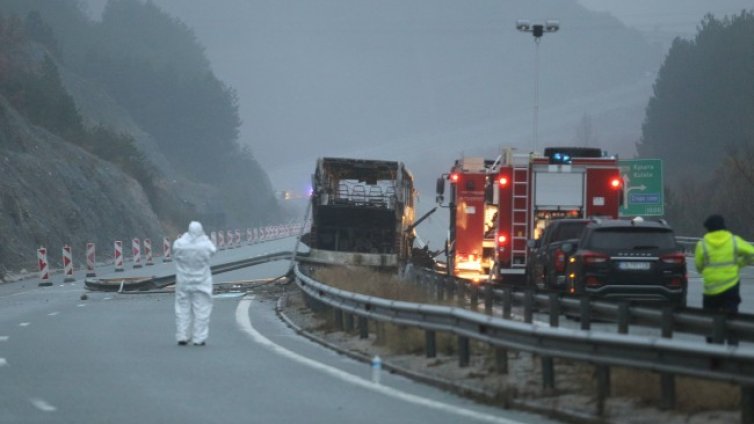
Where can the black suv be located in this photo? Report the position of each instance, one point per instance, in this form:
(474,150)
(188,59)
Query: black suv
(548,255)
(635,260)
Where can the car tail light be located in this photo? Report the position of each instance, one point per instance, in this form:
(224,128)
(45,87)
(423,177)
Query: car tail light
(560,261)
(592,281)
(674,258)
(676,282)
(592,258)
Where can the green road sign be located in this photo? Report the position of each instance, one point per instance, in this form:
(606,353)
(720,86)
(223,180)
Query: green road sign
(642,187)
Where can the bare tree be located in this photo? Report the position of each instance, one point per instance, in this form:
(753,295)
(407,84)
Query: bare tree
(585,133)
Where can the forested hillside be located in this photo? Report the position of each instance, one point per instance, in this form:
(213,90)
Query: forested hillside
(700,121)
(154,69)
(114,129)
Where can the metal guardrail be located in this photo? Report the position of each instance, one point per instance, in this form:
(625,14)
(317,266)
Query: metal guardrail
(166,280)
(667,356)
(689,320)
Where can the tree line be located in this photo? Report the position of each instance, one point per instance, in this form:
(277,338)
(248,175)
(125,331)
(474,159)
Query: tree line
(700,122)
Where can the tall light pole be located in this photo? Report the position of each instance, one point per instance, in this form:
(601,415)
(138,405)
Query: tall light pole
(537,30)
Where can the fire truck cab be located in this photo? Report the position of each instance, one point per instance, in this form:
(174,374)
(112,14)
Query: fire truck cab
(497,206)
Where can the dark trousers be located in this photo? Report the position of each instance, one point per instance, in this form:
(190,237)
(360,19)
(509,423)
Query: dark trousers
(725,303)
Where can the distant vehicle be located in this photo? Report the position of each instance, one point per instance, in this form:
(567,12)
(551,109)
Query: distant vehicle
(549,254)
(362,213)
(634,260)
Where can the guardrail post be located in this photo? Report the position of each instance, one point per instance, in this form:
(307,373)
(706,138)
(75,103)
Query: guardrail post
(474,297)
(338,319)
(501,360)
(747,404)
(718,329)
(507,301)
(586,313)
(464,351)
(667,322)
(667,387)
(363,328)
(348,321)
(667,380)
(623,317)
(528,306)
(548,373)
(461,293)
(603,387)
(451,288)
(488,299)
(430,343)
(554,310)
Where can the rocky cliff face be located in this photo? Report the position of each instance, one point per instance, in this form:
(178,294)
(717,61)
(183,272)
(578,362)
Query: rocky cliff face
(53,193)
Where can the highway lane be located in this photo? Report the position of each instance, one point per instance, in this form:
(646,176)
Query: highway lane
(113,358)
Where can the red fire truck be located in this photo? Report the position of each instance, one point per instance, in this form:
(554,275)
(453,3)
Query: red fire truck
(470,248)
(497,206)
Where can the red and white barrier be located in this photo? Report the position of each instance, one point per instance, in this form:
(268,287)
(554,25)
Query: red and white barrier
(67,265)
(249,236)
(220,240)
(148,252)
(238,238)
(166,253)
(255,232)
(44,269)
(90,260)
(213,238)
(118,256)
(229,243)
(136,252)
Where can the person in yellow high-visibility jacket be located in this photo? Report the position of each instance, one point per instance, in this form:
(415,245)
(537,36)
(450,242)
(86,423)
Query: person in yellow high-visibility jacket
(719,257)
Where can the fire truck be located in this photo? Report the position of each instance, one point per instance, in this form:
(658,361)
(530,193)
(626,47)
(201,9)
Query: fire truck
(496,206)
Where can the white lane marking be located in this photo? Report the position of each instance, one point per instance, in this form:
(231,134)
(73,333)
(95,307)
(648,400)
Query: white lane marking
(3,338)
(230,295)
(52,314)
(244,322)
(3,362)
(42,405)
(81,305)
(24,324)
(107,298)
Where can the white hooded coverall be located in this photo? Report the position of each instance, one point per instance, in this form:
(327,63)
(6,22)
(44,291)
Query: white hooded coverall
(193,284)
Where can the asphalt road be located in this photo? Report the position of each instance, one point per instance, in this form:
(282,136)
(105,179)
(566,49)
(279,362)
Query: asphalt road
(113,359)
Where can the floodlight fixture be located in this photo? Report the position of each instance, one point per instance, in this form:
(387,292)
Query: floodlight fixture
(523,25)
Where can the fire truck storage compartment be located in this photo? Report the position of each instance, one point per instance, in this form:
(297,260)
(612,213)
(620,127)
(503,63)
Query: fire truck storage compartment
(363,230)
(558,190)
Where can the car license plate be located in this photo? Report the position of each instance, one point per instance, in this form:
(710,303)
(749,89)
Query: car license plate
(634,266)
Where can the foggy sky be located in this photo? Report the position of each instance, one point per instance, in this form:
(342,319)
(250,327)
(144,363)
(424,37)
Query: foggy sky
(425,81)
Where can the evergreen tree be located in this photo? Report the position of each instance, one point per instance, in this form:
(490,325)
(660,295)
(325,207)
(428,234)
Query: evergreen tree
(703,100)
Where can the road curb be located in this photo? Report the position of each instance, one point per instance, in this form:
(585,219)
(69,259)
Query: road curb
(459,389)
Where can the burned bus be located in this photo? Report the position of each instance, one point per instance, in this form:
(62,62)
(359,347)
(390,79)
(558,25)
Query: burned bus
(362,212)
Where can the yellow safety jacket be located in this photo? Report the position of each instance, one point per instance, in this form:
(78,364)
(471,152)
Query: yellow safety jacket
(719,256)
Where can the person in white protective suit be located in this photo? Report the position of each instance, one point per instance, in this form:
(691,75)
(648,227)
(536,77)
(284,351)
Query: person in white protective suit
(193,285)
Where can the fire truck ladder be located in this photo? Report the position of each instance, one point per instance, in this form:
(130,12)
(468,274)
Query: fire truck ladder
(520,215)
